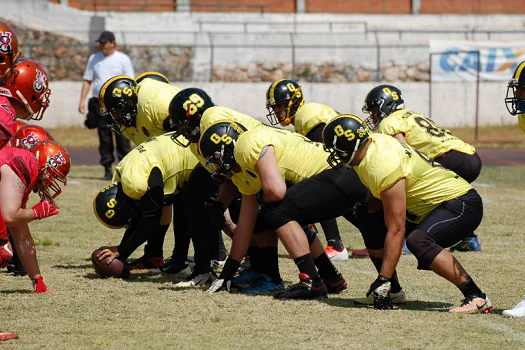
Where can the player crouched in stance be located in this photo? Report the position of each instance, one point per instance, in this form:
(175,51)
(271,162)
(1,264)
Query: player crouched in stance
(40,170)
(151,179)
(261,162)
(442,207)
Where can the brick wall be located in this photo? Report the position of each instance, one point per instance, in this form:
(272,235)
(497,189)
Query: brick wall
(312,6)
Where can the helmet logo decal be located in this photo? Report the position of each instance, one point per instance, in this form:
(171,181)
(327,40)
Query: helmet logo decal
(40,81)
(57,160)
(30,139)
(5,42)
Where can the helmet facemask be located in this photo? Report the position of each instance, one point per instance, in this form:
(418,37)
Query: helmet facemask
(121,117)
(340,157)
(221,163)
(47,186)
(515,98)
(189,128)
(292,104)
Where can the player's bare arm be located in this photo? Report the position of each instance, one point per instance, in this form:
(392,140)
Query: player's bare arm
(273,185)
(11,195)
(243,233)
(394,204)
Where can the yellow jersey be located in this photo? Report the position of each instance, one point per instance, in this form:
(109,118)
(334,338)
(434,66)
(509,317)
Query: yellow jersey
(297,157)
(427,185)
(423,134)
(154,99)
(175,163)
(521,121)
(310,115)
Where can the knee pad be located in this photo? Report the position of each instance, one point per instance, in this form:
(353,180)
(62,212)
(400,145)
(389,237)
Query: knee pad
(423,248)
(310,234)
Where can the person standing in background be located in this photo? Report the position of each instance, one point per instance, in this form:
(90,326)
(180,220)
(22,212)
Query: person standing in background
(101,66)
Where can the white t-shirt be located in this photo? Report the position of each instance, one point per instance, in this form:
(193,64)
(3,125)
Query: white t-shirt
(101,68)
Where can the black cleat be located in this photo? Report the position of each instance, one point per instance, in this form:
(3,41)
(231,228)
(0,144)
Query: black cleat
(306,289)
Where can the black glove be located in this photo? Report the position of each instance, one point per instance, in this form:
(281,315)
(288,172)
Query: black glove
(380,290)
(216,214)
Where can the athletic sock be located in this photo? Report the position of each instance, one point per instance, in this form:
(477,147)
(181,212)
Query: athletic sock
(470,289)
(325,266)
(269,259)
(306,265)
(255,261)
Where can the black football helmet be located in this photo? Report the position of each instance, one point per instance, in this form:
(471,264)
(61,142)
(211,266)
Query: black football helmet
(515,99)
(113,208)
(119,97)
(380,102)
(152,75)
(342,137)
(283,92)
(217,145)
(186,109)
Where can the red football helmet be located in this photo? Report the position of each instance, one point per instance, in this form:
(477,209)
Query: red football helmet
(29,86)
(53,165)
(8,49)
(28,135)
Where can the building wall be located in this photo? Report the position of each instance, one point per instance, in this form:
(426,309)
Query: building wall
(311,6)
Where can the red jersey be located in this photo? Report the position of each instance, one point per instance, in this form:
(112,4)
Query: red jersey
(7,121)
(24,165)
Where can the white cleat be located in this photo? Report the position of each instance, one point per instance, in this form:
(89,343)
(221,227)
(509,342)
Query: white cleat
(196,280)
(516,311)
(336,255)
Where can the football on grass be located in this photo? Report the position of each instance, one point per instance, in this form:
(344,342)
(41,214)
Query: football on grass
(117,268)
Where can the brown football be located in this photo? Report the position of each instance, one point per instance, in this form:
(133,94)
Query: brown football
(117,268)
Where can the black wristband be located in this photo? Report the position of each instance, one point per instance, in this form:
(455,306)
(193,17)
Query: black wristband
(230,268)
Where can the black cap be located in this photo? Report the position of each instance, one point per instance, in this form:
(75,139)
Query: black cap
(105,36)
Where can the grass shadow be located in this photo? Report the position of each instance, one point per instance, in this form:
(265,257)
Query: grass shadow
(413,305)
(72,267)
(16,291)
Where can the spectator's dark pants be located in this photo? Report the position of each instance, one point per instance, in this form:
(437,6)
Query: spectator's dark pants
(105,136)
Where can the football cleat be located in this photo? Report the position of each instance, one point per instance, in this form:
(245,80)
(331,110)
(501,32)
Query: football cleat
(217,264)
(360,253)
(306,289)
(145,263)
(516,311)
(173,268)
(470,244)
(246,264)
(336,255)
(6,253)
(395,298)
(405,250)
(474,305)
(263,284)
(335,285)
(197,280)
(246,277)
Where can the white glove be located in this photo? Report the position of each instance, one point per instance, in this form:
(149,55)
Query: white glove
(220,285)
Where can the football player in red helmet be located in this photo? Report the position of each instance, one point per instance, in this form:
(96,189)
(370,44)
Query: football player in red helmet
(29,135)
(28,89)
(8,49)
(24,171)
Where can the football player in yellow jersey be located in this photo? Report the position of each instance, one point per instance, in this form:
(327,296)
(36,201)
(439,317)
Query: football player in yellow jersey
(191,111)
(386,107)
(441,207)
(138,111)
(150,180)
(261,162)
(515,102)
(285,104)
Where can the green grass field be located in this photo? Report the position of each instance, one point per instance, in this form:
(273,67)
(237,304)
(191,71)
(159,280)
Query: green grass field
(85,312)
